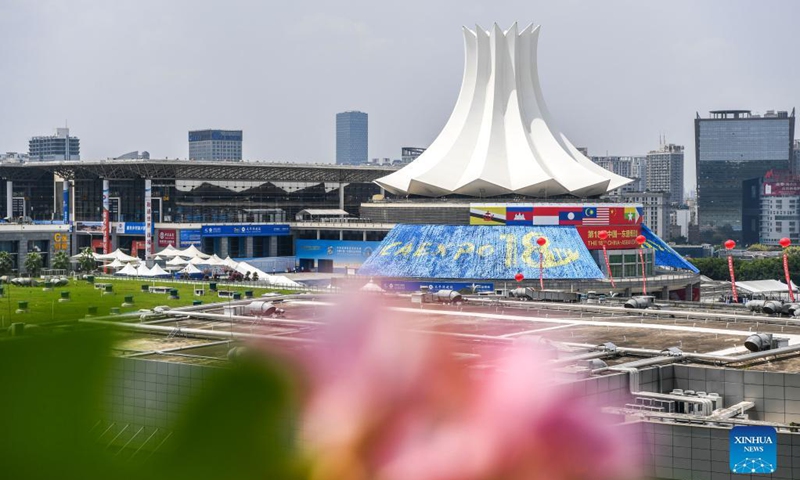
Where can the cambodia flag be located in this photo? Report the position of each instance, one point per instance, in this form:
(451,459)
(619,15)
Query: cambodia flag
(519,215)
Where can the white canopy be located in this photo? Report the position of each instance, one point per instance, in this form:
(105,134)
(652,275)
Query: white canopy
(177,261)
(198,260)
(168,252)
(192,252)
(116,255)
(215,261)
(280,280)
(371,287)
(157,271)
(143,271)
(244,268)
(128,269)
(117,264)
(190,269)
(230,263)
(764,286)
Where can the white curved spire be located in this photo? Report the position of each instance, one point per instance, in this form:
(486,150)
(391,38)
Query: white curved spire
(500,137)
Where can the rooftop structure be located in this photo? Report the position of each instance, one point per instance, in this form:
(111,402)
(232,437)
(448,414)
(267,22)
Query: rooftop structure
(215,145)
(55,147)
(500,138)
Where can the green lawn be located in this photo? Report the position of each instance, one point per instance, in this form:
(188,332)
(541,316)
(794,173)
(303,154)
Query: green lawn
(44,307)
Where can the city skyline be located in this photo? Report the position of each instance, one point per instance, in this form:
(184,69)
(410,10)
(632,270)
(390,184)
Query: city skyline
(610,94)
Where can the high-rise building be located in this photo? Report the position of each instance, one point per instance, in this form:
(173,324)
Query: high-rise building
(732,146)
(352,133)
(779,198)
(409,154)
(215,145)
(55,147)
(796,166)
(665,172)
(633,167)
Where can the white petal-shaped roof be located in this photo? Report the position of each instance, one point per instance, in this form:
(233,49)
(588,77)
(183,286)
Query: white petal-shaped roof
(500,138)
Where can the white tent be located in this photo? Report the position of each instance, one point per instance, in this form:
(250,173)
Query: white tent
(280,280)
(198,261)
(190,269)
(371,287)
(117,255)
(169,252)
(215,261)
(244,268)
(128,269)
(116,264)
(230,263)
(177,261)
(157,271)
(192,252)
(143,271)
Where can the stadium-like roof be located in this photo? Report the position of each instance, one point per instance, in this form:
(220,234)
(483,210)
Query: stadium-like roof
(195,170)
(500,138)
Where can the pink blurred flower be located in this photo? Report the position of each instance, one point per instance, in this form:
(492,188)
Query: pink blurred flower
(389,404)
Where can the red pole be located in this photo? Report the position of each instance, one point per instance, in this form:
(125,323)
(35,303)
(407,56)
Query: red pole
(608,267)
(785,242)
(729,245)
(788,278)
(733,279)
(644,276)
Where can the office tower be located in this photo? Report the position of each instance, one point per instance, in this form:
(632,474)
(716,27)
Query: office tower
(351,138)
(215,145)
(58,147)
(633,167)
(409,154)
(665,172)
(733,146)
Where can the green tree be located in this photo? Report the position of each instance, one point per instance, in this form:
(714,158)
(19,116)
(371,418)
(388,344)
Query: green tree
(33,263)
(6,263)
(86,260)
(61,261)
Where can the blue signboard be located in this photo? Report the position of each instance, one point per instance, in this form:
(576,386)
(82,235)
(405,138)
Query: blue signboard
(188,238)
(496,253)
(753,450)
(665,255)
(272,230)
(65,205)
(130,228)
(342,252)
(406,286)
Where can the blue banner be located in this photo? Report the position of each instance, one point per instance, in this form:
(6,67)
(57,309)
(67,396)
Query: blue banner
(411,286)
(342,252)
(187,238)
(753,450)
(65,204)
(496,253)
(271,230)
(665,255)
(130,228)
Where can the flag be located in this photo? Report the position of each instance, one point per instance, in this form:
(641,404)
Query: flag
(570,216)
(632,215)
(616,215)
(595,216)
(519,215)
(546,215)
(487,215)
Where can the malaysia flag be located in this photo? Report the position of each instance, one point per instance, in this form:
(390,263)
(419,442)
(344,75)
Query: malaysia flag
(595,216)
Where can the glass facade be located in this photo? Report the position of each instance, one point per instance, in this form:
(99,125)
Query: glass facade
(732,148)
(215,145)
(352,133)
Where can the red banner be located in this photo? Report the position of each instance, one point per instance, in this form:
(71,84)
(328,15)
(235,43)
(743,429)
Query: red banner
(619,238)
(167,237)
(733,280)
(788,278)
(106,236)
